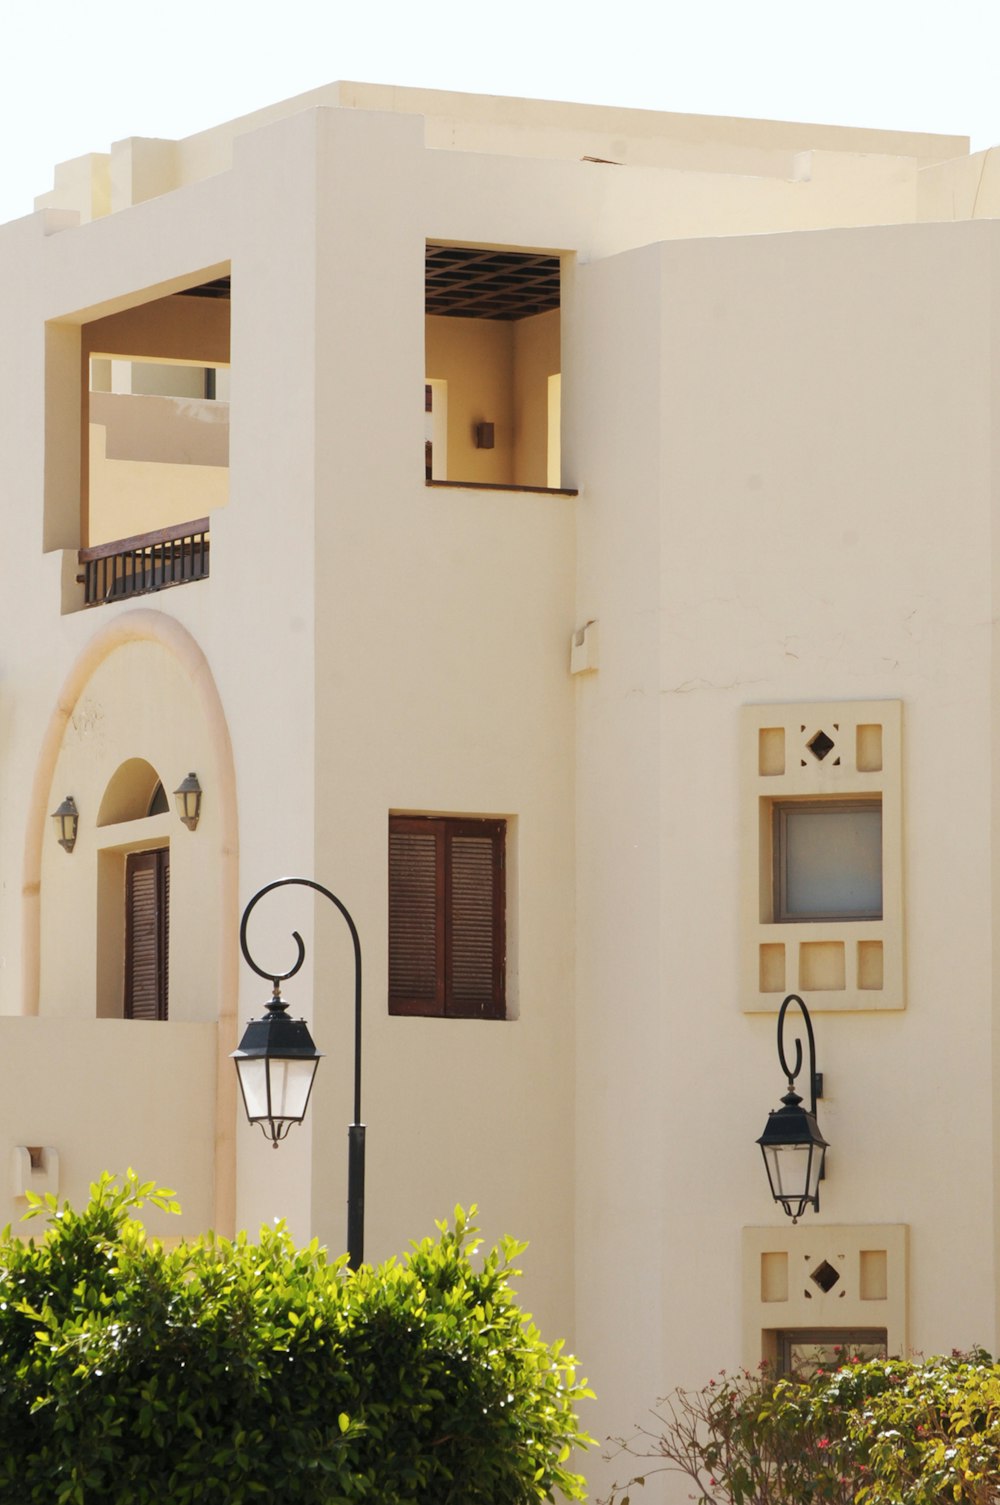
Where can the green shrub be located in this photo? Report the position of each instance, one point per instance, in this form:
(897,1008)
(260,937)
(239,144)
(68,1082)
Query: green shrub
(236,1372)
(881,1432)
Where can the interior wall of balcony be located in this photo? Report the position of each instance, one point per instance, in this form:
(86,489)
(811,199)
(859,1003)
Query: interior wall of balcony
(497,372)
(476,358)
(537,356)
(174,328)
(153,461)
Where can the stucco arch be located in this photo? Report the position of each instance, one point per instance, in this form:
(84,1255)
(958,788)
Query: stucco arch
(152,627)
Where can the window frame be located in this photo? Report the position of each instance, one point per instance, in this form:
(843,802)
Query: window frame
(827,807)
(849,1338)
(444,830)
(839,965)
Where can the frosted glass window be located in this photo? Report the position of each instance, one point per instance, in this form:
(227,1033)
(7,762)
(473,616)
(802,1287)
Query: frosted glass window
(828,860)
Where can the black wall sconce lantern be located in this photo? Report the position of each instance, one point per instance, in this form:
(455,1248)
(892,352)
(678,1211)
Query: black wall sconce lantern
(794,1150)
(188,798)
(67,819)
(276,1063)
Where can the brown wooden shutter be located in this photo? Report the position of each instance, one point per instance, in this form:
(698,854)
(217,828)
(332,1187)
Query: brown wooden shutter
(147,936)
(416,916)
(475,935)
(446,917)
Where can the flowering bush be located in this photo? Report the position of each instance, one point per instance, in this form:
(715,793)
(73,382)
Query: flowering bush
(235,1372)
(875,1432)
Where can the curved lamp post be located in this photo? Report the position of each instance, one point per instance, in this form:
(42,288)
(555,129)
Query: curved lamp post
(276,1062)
(794,1150)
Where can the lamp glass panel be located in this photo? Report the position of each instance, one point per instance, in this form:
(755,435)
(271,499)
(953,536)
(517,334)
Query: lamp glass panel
(290,1084)
(816,1171)
(253,1080)
(187,803)
(789,1167)
(832,858)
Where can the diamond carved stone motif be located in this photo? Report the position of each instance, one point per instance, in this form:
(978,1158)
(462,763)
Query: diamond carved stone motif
(820,745)
(825,1276)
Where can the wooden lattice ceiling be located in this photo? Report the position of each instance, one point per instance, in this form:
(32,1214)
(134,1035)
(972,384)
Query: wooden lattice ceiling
(464,283)
(219,287)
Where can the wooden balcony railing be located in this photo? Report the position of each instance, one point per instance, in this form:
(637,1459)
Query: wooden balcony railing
(147,562)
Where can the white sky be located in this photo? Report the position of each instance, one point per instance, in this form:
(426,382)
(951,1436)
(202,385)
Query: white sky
(76,76)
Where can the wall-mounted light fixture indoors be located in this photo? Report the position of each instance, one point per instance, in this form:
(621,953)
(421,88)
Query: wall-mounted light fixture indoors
(188,797)
(794,1150)
(484,435)
(67,819)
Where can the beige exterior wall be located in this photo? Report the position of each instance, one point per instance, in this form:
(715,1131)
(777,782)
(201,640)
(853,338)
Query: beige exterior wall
(820,470)
(782,446)
(97,1106)
(141,168)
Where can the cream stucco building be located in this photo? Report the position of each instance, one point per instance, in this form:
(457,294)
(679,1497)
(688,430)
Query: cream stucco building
(584,517)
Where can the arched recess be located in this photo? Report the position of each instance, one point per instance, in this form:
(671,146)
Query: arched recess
(150,628)
(130,792)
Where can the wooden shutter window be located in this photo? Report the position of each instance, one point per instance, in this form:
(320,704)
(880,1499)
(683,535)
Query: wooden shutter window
(446,917)
(147,933)
(472,923)
(416,919)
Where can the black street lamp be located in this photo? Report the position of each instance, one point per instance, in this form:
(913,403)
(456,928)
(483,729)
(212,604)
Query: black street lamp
(794,1150)
(276,1063)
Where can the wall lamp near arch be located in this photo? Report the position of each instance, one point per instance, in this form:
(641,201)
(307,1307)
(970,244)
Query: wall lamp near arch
(67,819)
(794,1150)
(188,797)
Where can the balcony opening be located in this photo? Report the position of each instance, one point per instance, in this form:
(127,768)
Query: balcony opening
(156,441)
(492,362)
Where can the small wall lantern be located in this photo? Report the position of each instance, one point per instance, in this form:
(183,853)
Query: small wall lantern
(484,435)
(794,1150)
(67,819)
(188,797)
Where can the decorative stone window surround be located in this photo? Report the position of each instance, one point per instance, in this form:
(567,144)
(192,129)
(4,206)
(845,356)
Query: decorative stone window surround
(823,1276)
(829,751)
